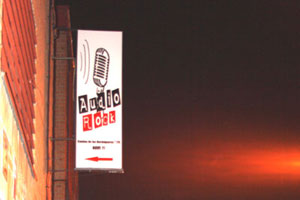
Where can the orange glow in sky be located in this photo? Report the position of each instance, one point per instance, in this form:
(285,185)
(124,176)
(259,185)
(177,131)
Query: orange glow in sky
(234,162)
(214,169)
(237,163)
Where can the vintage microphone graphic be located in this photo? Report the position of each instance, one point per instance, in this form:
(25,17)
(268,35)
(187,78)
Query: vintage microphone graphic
(100,75)
(101,68)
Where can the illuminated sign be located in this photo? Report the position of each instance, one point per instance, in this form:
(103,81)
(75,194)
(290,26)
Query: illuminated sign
(99,101)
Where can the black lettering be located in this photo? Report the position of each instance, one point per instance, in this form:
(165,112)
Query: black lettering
(82,102)
(100,101)
(93,104)
(108,97)
(116,97)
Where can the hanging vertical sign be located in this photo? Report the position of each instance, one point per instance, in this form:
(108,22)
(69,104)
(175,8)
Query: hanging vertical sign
(99,101)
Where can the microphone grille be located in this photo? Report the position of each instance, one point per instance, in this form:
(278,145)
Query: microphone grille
(101,67)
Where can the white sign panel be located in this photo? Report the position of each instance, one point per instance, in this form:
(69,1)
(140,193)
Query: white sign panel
(99,101)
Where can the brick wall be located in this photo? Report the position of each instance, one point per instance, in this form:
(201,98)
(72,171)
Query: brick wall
(64,177)
(45,168)
(50,109)
(60,120)
(41,19)
(23,176)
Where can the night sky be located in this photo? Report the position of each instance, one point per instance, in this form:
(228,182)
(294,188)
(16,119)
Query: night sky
(211,99)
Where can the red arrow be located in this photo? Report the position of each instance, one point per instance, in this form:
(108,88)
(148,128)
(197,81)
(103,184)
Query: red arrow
(96,159)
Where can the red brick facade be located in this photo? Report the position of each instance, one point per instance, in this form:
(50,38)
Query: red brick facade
(36,102)
(64,178)
(18,62)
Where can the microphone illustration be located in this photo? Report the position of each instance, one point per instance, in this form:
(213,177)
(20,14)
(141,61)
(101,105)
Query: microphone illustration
(101,68)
